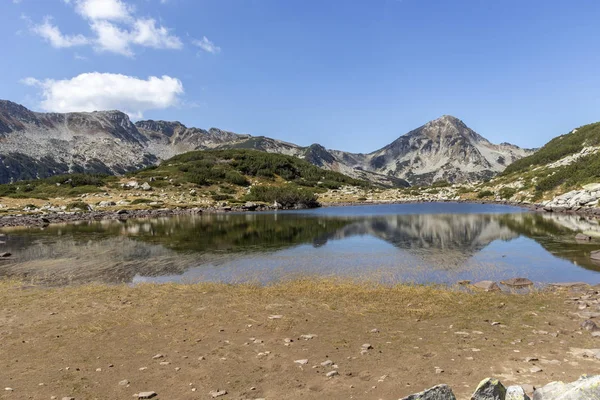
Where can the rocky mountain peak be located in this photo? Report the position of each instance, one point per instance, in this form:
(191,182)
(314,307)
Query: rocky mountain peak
(165,127)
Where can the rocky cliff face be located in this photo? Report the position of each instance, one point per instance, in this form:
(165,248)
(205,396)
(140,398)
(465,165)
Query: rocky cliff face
(36,145)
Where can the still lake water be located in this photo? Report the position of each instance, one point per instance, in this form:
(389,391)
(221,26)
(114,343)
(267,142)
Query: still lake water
(420,243)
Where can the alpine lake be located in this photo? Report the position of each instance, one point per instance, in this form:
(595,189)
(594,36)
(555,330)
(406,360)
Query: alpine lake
(412,243)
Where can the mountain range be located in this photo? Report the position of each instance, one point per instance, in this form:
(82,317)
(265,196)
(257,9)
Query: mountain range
(37,145)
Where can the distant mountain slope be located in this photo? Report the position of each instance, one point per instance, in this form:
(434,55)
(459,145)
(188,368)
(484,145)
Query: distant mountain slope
(36,145)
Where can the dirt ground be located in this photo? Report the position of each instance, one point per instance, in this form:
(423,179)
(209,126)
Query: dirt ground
(100,342)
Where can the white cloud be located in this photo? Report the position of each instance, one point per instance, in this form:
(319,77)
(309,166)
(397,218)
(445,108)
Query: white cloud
(53,35)
(207,45)
(146,33)
(110,10)
(111,38)
(96,91)
(115,29)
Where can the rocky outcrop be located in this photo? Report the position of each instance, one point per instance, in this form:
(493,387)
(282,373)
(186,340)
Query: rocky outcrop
(575,200)
(37,145)
(586,388)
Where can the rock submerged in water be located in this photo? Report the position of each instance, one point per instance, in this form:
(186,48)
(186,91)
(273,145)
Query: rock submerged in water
(488,286)
(439,392)
(517,282)
(584,388)
(489,389)
(595,255)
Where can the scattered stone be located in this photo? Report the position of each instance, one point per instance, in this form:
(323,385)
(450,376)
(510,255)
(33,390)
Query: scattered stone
(146,186)
(516,393)
(438,370)
(124,382)
(9,389)
(146,395)
(375,330)
(275,316)
(68,398)
(489,389)
(217,393)
(531,359)
(156,357)
(331,374)
(366,346)
(464,282)
(327,363)
(535,369)
(517,282)
(308,337)
(488,286)
(302,362)
(595,255)
(440,392)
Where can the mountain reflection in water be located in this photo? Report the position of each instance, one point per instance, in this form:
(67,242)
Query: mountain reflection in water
(396,243)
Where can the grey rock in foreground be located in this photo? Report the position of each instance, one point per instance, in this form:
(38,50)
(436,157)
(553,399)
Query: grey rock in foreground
(586,388)
(439,392)
(516,393)
(489,389)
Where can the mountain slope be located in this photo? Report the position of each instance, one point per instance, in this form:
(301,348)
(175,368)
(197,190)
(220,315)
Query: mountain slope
(36,145)
(569,160)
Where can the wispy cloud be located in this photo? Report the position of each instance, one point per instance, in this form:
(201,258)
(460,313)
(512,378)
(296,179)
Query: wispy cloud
(206,45)
(114,26)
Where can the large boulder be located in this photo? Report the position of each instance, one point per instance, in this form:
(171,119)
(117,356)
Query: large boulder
(489,389)
(439,392)
(586,388)
(517,282)
(595,255)
(516,393)
(488,286)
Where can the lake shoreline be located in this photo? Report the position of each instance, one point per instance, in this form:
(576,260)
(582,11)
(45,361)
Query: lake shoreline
(44,219)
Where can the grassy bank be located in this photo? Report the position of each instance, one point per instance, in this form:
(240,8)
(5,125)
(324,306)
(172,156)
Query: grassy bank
(82,341)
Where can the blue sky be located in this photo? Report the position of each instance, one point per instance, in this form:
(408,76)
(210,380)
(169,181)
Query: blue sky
(351,75)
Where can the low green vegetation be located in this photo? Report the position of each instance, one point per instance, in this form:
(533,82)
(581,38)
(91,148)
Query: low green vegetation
(485,193)
(210,167)
(507,192)
(287,196)
(71,185)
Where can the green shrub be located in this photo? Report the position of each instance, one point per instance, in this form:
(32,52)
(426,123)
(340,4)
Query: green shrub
(440,184)
(141,201)
(288,196)
(78,204)
(507,192)
(485,193)
(221,197)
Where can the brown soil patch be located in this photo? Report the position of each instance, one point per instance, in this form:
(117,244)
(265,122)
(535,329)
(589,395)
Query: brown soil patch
(83,341)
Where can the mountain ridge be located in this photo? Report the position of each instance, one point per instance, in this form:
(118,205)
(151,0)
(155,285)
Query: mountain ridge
(35,145)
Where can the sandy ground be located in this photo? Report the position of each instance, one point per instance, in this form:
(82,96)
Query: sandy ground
(100,342)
